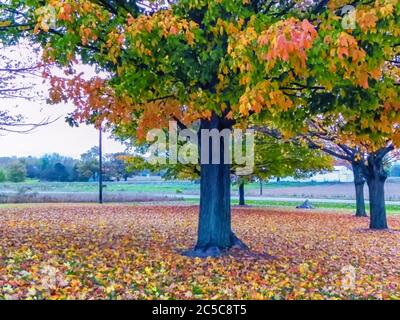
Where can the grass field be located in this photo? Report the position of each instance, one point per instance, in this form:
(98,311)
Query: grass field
(153,185)
(134,252)
(154,189)
(391,209)
(135,186)
(324,206)
(319,206)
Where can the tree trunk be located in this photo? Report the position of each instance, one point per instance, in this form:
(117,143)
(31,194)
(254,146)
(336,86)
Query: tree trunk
(376,177)
(214,231)
(261,188)
(377,204)
(241,194)
(359,182)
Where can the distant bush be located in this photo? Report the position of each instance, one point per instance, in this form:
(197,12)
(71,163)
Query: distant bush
(2,176)
(16,172)
(56,167)
(395,171)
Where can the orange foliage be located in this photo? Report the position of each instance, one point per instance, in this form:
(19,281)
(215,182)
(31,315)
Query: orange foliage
(92,99)
(288,40)
(367,20)
(264,95)
(157,114)
(352,60)
(164,21)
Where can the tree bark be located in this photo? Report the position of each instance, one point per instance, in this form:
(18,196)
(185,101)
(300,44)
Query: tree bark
(241,194)
(377,204)
(214,230)
(376,177)
(359,182)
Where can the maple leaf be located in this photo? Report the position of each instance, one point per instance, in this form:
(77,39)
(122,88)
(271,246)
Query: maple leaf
(367,20)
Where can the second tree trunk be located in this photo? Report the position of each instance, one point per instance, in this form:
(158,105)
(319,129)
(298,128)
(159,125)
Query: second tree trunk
(241,194)
(359,183)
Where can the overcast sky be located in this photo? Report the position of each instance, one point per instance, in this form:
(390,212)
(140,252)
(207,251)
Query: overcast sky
(57,137)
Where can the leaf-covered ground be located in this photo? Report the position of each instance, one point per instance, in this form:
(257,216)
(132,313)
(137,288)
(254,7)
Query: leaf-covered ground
(130,252)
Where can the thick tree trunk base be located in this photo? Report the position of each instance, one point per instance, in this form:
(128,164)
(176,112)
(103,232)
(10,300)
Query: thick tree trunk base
(361,215)
(214,251)
(378,220)
(237,243)
(377,228)
(376,178)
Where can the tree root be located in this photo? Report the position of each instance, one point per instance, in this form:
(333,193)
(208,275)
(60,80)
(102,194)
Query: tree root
(215,251)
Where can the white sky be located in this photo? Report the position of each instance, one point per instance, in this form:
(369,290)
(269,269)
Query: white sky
(57,137)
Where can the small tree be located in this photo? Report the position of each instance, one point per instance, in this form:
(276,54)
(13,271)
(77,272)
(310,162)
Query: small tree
(279,158)
(2,176)
(16,172)
(115,167)
(88,166)
(395,171)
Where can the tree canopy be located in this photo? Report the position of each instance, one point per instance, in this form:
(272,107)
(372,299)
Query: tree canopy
(234,58)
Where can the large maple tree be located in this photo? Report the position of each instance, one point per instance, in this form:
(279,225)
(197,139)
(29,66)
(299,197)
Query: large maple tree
(359,156)
(351,84)
(223,63)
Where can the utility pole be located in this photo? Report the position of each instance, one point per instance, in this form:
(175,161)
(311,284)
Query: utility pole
(100,165)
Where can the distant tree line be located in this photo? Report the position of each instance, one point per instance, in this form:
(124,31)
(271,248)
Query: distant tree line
(56,167)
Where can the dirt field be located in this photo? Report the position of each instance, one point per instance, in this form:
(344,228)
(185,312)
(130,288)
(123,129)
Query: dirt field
(328,191)
(164,190)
